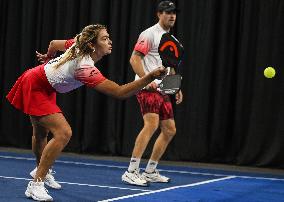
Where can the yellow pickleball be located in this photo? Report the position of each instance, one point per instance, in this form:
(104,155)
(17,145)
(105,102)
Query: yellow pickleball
(269,72)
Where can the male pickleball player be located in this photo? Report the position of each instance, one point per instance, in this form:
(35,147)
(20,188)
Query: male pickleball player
(156,108)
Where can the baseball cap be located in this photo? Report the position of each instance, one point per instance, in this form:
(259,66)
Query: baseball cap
(167,6)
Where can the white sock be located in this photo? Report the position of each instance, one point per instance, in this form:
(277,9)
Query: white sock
(134,164)
(151,166)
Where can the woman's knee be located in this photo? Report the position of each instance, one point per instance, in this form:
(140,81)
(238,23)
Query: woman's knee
(39,132)
(67,133)
(63,135)
(40,136)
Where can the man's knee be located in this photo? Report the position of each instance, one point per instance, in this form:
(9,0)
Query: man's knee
(151,121)
(169,131)
(151,126)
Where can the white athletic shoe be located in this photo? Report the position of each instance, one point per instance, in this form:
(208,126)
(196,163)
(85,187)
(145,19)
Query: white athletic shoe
(49,179)
(134,178)
(37,191)
(155,177)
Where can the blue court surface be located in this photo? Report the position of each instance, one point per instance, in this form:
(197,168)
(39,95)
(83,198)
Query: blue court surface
(84,179)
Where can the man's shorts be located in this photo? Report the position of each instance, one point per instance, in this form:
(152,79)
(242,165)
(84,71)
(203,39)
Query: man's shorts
(155,102)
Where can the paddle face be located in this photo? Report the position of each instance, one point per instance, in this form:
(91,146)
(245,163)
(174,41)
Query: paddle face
(170,84)
(170,50)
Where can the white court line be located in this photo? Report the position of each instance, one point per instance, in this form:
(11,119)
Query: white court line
(163,170)
(167,189)
(72,183)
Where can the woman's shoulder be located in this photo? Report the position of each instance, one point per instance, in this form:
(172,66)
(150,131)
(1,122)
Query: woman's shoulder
(86,60)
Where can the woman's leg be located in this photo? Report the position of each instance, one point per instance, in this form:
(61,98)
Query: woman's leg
(61,130)
(39,139)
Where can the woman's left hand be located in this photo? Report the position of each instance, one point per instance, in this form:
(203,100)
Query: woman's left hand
(179,97)
(42,58)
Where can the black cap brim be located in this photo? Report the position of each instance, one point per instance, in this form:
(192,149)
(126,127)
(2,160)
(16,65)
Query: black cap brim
(171,9)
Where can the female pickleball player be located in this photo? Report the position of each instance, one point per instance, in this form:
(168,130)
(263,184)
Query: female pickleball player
(34,93)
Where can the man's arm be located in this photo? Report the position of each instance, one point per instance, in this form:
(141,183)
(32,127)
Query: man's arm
(136,63)
(137,66)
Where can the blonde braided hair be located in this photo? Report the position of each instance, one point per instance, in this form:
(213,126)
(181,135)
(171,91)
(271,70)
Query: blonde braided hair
(81,47)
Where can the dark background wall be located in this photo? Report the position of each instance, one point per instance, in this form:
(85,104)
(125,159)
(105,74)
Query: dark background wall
(230,114)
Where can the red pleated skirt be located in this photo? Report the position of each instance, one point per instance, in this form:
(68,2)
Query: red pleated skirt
(33,94)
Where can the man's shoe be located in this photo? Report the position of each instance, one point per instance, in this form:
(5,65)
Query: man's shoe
(37,191)
(155,177)
(49,179)
(133,178)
